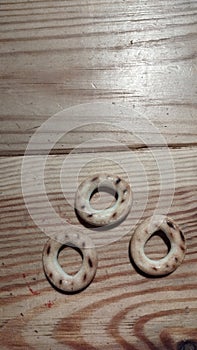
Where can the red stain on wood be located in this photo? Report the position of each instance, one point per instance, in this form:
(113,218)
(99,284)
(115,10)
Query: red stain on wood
(30,289)
(49,304)
(34,292)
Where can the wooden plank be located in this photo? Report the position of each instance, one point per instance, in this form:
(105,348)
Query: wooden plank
(57,55)
(178,128)
(120,309)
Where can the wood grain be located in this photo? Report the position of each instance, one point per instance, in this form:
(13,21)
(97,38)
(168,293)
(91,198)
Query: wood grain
(59,54)
(123,309)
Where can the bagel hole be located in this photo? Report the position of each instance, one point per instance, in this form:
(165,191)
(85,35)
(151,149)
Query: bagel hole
(157,246)
(103,197)
(70,259)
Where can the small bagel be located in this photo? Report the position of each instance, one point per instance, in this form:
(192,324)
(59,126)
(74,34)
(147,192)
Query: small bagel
(143,233)
(57,276)
(107,216)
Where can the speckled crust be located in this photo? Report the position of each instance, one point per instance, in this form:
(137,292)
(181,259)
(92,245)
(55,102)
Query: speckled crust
(57,276)
(107,216)
(174,257)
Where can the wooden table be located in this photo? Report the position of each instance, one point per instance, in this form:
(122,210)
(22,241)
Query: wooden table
(59,54)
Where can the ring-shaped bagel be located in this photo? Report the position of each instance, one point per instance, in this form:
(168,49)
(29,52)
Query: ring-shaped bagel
(116,212)
(144,232)
(55,273)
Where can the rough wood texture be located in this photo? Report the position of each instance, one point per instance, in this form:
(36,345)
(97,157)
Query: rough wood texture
(56,54)
(121,308)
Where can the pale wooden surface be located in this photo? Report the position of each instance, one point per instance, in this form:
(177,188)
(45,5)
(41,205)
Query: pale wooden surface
(56,54)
